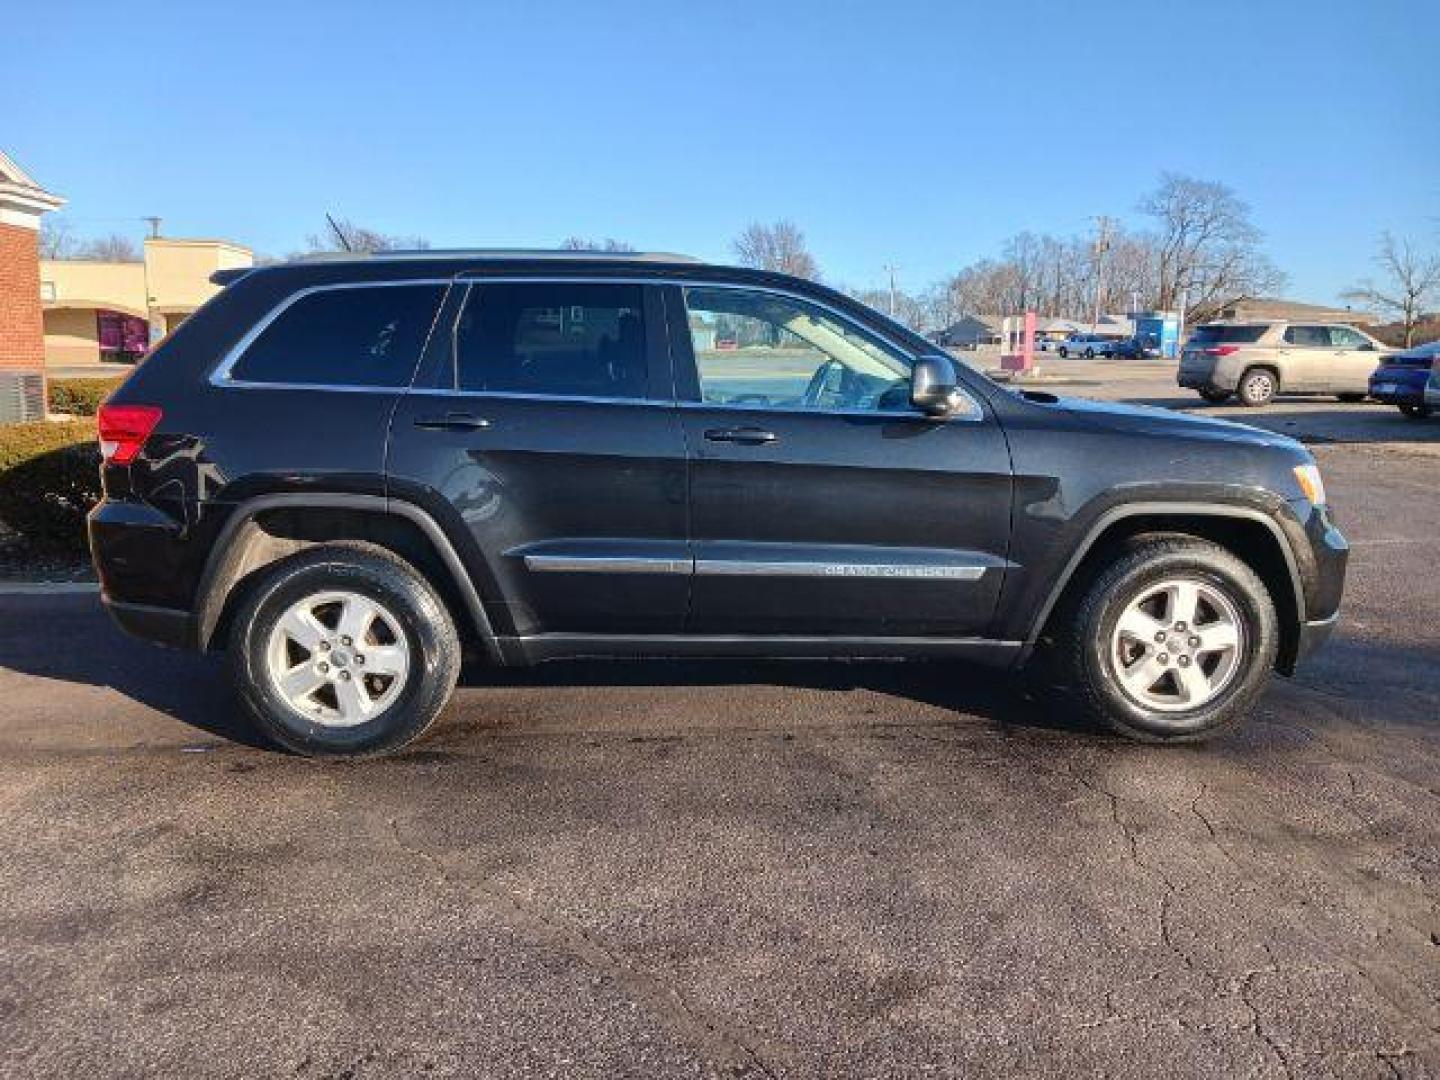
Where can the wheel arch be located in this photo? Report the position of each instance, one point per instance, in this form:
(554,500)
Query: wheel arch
(1251,535)
(264,529)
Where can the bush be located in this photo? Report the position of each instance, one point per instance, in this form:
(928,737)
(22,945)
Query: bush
(49,480)
(80,397)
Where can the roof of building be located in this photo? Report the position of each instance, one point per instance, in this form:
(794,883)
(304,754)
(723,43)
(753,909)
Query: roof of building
(1270,307)
(20,188)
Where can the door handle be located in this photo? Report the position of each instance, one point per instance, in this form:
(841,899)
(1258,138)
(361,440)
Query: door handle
(454,421)
(746,436)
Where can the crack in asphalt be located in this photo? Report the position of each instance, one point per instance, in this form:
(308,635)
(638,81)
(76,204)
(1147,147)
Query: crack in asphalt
(664,1001)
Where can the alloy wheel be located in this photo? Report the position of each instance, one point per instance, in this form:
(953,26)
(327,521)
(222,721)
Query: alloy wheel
(338,658)
(1177,645)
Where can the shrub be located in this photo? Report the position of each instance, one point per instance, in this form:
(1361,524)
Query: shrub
(80,397)
(49,480)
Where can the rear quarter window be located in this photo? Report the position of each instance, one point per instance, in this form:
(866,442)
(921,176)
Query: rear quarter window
(1227,335)
(344,336)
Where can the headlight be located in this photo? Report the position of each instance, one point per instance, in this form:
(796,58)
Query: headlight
(1308,477)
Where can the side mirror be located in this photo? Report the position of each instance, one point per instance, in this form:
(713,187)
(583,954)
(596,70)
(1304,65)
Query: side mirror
(932,382)
(1369,346)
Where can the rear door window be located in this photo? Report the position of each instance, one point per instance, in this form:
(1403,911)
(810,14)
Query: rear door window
(563,339)
(344,336)
(1308,337)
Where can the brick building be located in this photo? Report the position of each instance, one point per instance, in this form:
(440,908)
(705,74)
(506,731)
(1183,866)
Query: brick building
(22,325)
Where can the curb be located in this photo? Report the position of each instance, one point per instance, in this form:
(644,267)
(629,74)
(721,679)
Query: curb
(48,588)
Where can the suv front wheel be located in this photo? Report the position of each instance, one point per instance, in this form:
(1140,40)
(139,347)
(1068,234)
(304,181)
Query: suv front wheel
(1173,641)
(343,650)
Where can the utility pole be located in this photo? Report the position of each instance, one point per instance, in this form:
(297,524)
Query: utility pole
(154,226)
(1102,248)
(891,267)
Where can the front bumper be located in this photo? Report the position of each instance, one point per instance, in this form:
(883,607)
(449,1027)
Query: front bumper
(1313,634)
(1322,557)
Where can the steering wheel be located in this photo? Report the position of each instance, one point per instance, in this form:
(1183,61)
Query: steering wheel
(895,397)
(813,398)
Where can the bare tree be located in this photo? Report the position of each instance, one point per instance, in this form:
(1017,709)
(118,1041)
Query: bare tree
(112,248)
(55,239)
(912,311)
(1207,248)
(1412,284)
(579,243)
(345,235)
(779,247)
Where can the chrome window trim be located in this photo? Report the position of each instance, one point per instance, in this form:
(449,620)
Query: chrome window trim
(781,568)
(608,564)
(220,375)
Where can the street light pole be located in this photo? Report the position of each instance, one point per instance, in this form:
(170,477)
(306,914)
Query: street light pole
(1102,247)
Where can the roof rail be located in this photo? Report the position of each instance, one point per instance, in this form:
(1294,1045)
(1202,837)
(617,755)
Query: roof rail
(497,253)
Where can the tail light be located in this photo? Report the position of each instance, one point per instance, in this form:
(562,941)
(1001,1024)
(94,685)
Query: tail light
(124,429)
(1222,350)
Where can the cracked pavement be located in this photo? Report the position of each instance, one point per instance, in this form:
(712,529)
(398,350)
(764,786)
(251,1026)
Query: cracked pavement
(734,869)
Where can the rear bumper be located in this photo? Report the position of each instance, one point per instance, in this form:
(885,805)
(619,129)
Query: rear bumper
(1202,379)
(162,626)
(1399,395)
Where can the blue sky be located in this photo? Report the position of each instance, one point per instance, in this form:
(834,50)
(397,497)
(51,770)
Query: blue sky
(916,133)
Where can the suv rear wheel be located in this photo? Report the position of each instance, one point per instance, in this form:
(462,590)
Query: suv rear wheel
(1257,387)
(342,651)
(1173,641)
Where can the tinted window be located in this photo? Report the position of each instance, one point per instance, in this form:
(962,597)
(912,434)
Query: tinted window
(576,340)
(1342,337)
(1312,337)
(762,350)
(1227,335)
(344,337)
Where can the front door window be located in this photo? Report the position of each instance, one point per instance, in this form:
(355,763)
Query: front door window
(765,351)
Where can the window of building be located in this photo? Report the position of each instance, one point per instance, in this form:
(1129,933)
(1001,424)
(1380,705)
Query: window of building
(360,336)
(571,339)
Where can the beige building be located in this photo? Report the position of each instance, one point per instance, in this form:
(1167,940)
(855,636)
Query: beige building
(99,312)
(1262,307)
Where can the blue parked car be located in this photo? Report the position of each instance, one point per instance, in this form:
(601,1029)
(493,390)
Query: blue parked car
(1400,380)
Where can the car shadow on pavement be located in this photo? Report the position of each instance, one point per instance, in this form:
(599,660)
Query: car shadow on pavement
(68,639)
(969,691)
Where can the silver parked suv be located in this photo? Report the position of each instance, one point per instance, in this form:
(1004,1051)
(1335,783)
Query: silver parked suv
(1257,360)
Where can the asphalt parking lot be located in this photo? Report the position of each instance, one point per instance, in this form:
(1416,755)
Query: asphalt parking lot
(744,869)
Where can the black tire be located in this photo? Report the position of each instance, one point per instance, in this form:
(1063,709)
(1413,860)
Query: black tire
(1215,397)
(1090,621)
(434,649)
(1412,410)
(1351,399)
(1063,351)
(1257,387)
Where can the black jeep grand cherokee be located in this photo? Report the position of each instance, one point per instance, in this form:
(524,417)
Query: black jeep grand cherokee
(345,471)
